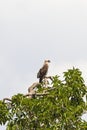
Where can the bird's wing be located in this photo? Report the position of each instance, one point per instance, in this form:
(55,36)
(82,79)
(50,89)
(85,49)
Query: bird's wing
(43,71)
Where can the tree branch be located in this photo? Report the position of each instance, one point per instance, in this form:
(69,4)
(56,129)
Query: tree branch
(36,94)
(32,91)
(7,99)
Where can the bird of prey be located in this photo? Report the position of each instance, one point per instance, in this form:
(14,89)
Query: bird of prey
(43,71)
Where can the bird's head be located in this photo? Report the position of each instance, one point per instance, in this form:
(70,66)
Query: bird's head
(47,61)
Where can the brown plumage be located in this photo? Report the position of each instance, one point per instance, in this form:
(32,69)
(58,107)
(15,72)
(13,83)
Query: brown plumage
(43,71)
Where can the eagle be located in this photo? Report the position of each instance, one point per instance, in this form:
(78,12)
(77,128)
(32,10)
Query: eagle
(43,71)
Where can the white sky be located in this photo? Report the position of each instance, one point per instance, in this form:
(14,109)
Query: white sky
(31,31)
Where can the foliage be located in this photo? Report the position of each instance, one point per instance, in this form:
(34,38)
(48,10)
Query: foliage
(60,109)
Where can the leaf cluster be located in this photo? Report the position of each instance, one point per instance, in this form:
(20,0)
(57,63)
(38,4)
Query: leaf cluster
(60,109)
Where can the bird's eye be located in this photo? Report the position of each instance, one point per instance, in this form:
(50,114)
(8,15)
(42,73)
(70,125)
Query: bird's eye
(49,61)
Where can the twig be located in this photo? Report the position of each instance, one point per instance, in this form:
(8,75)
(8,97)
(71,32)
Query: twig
(49,77)
(32,87)
(36,94)
(8,99)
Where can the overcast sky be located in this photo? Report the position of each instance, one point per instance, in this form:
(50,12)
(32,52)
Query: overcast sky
(34,30)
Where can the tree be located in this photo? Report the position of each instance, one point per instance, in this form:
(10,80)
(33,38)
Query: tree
(59,108)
